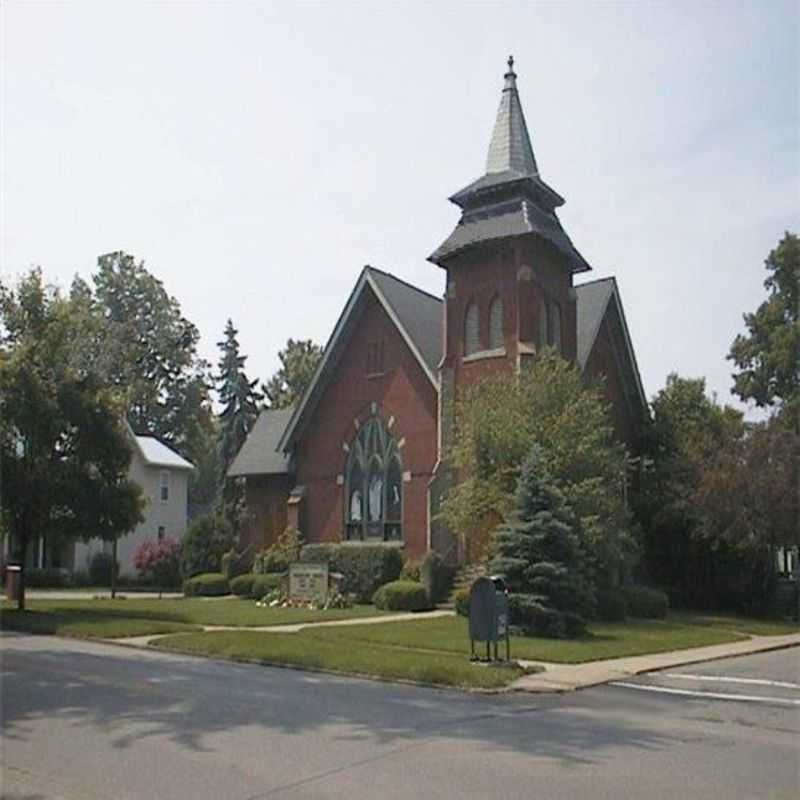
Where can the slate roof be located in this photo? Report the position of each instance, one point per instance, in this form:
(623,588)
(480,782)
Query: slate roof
(417,311)
(259,454)
(157,454)
(510,199)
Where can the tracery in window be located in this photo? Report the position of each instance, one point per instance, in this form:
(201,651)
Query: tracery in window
(496,324)
(373,485)
(471,330)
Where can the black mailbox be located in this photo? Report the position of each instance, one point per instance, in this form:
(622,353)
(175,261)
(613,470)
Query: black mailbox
(488,615)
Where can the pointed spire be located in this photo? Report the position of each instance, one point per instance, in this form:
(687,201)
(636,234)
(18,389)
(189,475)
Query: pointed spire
(510,149)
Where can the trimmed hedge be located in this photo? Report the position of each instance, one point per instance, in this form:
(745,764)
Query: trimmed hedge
(611,605)
(436,577)
(646,603)
(461,600)
(36,578)
(208,584)
(401,596)
(264,584)
(100,569)
(365,567)
(242,585)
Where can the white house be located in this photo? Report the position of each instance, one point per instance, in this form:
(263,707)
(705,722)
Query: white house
(164,478)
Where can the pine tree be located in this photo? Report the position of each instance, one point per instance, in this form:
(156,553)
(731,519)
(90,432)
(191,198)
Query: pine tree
(239,398)
(540,555)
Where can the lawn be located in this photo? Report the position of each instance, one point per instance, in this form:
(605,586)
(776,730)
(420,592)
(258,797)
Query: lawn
(129,617)
(310,650)
(609,640)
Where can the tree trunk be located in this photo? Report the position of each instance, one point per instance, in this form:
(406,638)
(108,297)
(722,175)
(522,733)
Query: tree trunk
(114,568)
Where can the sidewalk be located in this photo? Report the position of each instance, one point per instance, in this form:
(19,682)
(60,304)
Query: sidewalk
(144,641)
(568,677)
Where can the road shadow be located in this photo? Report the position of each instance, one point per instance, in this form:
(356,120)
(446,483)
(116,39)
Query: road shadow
(131,695)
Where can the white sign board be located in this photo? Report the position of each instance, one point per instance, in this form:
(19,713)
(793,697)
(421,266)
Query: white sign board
(308,581)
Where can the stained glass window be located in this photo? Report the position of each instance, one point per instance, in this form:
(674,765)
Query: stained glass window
(373,485)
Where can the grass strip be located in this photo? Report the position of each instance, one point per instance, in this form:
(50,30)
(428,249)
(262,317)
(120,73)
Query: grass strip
(85,625)
(308,650)
(232,611)
(613,640)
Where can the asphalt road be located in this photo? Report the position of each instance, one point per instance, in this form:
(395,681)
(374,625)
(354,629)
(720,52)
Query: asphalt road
(84,720)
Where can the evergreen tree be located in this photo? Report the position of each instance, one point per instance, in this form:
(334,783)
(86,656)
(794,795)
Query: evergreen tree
(540,555)
(239,398)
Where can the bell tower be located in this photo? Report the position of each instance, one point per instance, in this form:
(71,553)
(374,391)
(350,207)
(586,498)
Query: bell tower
(509,265)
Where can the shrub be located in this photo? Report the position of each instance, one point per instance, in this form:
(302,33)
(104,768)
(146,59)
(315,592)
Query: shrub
(534,618)
(205,542)
(401,596)
(209,584)
(410,571)
(46,579)
(264,584)
(365,567)
(436,577)
(645,602)
(100,569)
(278,556)
(159,562)
(611,605)
(461,600)
(242,585)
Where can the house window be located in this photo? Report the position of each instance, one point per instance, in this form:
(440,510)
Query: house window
(496,324)
(375,358)
(543,322)
(165,487)
(555,338)
(471,330)
(161,533)
(373,485)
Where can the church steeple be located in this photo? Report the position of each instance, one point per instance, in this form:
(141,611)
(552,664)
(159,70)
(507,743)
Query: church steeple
(510,149)
(511,199)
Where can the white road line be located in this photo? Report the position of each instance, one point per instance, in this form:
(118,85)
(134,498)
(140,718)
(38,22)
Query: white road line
(725,679)
(745,698)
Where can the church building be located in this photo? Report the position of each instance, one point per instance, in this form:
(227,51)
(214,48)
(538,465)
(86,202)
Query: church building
(359,458)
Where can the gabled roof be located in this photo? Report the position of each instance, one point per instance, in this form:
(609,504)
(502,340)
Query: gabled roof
(593,301)
(157,454)
(417,316)
(259,455)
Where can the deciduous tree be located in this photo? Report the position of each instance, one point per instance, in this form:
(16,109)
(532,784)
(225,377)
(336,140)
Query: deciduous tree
(298,360)
(64,453)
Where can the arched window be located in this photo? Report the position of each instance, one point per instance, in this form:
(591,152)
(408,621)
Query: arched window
(471,330)
(555,336)
(544,323)
(373,485)
(496,324)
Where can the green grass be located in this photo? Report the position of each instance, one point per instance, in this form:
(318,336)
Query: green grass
(309,650)
(748,625)
(85,624)
(191,611)
(611,640)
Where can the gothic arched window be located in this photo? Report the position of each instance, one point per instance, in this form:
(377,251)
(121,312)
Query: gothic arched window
(471,330)
(555,337)
(544,323)
(373,485)
(496,324)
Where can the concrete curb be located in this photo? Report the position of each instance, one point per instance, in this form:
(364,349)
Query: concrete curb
(559,678)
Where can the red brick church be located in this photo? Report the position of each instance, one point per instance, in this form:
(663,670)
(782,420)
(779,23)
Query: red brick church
(358,458)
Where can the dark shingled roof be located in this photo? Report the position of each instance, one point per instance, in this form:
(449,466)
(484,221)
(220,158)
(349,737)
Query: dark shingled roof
(259,454)
(510,199)
(592,300)
(418,312)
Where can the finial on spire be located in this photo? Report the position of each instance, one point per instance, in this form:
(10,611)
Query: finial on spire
(511,63)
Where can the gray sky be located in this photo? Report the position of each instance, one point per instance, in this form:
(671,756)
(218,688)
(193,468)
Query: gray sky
(257,155)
